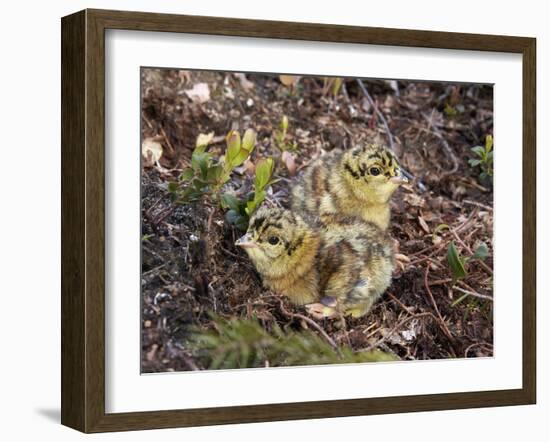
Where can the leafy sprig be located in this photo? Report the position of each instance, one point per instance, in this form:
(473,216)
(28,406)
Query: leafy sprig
(458,263)
(484,158)
(244,343)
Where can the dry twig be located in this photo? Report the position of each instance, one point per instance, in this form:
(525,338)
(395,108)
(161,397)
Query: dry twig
(310,322)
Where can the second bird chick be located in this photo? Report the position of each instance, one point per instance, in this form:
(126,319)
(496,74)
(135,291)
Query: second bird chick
(345,267)
(358,182)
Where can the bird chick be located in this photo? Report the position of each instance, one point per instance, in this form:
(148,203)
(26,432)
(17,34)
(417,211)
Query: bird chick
(358,182)
(344,267)
(283,248)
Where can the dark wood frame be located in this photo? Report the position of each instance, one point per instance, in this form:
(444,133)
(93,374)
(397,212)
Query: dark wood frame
(83,216)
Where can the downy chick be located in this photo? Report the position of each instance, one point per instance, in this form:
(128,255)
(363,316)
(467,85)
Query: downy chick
(345,267)
(358,182)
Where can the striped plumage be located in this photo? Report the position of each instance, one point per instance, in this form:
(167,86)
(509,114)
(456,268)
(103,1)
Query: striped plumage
(358,182)
(351,262)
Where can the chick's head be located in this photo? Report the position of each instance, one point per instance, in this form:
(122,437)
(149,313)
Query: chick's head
(373,172)
(277,241)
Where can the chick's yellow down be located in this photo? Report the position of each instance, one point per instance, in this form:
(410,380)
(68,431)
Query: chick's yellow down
(358,182)
(346,266)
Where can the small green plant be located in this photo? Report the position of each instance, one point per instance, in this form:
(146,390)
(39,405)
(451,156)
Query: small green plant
(332,84)
(244,343)
(458,263)
(281,137)
(484,158)
(207,174)
(240,210)
(237,152)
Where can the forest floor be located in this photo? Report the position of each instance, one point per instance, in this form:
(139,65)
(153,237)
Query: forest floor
(190,265)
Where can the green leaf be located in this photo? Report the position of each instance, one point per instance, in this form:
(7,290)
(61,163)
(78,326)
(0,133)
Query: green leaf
(200,149)
(250,207)
(199,184)
(214,173)
(249,140)
(259,197)
(459,300)
(479,150)
(231,202)
(488,142)
(264,169)
(200,162)
(238,220)
(438,229)
(233,141)
(481,252)
(284,124)
(232,216)
(240,158)
(187,174)
(449,110)
(336,85)
(456,263)
(173,187)
(474,163)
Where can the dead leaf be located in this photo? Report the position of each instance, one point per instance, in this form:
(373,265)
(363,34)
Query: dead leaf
(414,200)
(245,83)
(423,224)
(249,167)
(151,150)
(150,355)
(184,76)
(402,258)
(204,139)
(200,93)
(289,80)
(290,162)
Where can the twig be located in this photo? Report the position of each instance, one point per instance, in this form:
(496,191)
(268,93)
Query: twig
(474,294)
(475,344)
(394,329)
(474,203)
(153,270)
(463,244)
(147,120)
(377,111)
(403,306)
(430,294)
(440,281)
(149,210)
(190,363)
(468,221)
(169,144)
(310,322)
(446,146)
(165,215)
(408,310)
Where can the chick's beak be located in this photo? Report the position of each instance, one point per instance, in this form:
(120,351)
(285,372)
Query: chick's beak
(399,179)
(246,242)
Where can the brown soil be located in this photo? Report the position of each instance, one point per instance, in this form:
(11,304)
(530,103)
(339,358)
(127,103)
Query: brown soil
(190,264)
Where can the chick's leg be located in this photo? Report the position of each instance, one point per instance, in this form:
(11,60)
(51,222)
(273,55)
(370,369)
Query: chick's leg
(359,299)
(320,311)
(329,305)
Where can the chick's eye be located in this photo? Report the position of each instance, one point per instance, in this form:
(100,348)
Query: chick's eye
(374,171)
(273,240)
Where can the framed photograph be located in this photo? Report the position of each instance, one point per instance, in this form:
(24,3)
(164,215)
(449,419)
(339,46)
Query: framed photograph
(265,221)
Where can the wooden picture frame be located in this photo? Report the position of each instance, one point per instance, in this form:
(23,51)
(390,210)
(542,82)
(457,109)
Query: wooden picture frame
(83,218)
